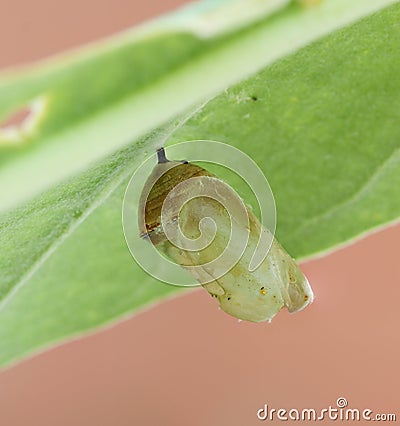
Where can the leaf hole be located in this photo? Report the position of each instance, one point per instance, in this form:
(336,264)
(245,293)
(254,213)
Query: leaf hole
(16,119)
(21,123)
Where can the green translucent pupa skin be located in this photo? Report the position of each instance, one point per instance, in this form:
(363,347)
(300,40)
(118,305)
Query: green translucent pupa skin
(247,295)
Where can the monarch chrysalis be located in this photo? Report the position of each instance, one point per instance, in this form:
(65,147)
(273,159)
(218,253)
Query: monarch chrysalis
(175,201)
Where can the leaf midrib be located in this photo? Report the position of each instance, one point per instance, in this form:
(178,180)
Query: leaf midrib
(102,197)
(354,197)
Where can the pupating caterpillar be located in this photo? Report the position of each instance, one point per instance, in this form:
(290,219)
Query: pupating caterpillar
(176,198)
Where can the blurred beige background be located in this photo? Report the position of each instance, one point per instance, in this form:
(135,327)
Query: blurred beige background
(184,362)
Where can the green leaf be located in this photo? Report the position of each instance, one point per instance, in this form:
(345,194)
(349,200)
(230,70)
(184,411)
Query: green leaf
(321,123)
(95,102)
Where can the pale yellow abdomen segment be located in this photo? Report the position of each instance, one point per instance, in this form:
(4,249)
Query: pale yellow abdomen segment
(248,295)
